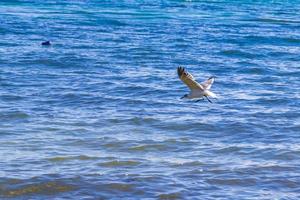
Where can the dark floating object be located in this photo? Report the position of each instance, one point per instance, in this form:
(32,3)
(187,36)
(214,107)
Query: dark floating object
(47,43)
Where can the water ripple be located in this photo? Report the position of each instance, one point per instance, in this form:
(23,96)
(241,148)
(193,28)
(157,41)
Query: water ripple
(98,113)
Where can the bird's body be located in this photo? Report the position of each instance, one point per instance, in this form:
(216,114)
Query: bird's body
(198,90)
(195,94)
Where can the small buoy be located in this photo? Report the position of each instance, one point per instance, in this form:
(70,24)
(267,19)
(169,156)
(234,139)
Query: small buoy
(46,43)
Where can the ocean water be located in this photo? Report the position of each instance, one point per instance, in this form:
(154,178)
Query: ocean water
(98,114)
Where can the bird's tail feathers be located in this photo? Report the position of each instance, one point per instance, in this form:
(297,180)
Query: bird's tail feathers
(210,94)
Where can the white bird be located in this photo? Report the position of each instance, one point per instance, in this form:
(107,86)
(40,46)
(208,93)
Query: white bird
(198,90)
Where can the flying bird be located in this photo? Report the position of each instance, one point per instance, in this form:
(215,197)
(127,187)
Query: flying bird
(198,90)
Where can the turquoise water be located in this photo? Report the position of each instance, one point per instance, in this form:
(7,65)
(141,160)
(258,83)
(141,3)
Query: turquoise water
(98,114)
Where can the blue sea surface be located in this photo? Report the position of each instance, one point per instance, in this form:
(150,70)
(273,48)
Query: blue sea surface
(98,114)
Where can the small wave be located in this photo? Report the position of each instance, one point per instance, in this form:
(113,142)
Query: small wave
(244,96)
(149,147)
(227,150)
(134,120)
(15,115)
(12,98)
(187,164)
(61,159)
(274,21)
(282,41)
(238,53)
(170,196)
(123,187)
(253,70)
(233,182)
(272,168)
(47,188)
(117,163)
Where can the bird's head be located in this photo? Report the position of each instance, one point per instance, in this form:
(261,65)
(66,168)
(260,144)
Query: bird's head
(184,97)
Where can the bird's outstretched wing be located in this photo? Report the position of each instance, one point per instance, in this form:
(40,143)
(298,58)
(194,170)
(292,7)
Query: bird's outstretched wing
(208,83)
(188,79)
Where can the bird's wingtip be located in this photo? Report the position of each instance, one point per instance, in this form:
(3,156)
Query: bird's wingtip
(180,70)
